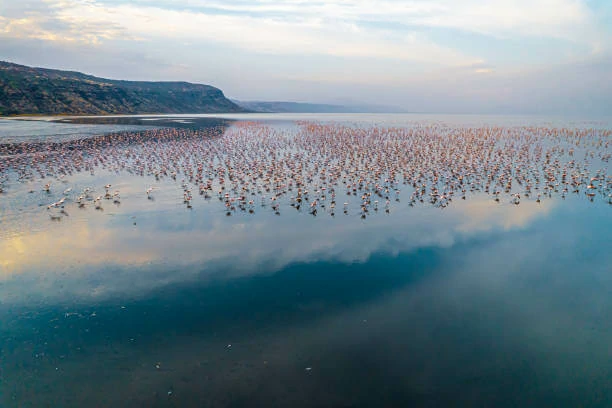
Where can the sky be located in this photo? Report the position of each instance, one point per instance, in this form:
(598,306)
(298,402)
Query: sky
(439,56)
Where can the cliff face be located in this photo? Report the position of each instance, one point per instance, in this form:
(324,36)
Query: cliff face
(27,90)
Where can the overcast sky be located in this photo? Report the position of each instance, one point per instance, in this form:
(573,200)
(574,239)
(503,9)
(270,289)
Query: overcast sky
(476,56)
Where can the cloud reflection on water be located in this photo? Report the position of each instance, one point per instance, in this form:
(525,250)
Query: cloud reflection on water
(108,255)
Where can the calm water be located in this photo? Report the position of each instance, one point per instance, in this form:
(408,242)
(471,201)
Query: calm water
(149,304)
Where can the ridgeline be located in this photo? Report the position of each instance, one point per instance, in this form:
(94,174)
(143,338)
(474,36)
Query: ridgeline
(27,90)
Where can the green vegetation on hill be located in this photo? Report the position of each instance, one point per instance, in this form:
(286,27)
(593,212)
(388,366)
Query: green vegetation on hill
(27,90)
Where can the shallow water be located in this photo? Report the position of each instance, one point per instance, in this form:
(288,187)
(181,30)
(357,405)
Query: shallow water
(15,131)
(381,119)
(147,303)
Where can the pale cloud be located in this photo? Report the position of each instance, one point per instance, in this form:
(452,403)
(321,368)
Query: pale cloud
(568,19)
(25,27)
(341,28)
(91,22)
(47,22)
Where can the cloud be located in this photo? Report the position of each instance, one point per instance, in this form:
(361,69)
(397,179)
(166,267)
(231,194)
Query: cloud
(362,28)
(293,34)
(49,22)
(568,19)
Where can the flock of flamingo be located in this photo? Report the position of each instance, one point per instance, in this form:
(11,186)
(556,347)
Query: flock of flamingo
(318,168)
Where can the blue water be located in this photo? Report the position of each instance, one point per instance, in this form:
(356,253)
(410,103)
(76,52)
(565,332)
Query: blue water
(146,304)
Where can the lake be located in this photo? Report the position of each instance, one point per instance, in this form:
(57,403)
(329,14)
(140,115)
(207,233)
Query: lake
(156,300)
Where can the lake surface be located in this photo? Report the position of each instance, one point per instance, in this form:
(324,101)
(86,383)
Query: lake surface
(148,304)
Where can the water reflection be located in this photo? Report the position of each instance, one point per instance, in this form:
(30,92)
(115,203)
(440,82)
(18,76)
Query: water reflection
(148,249)
(468,322)
(182,121)
(398,119)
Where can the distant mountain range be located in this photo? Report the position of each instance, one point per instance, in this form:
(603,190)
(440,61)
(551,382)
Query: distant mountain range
(301,107)
(27,90)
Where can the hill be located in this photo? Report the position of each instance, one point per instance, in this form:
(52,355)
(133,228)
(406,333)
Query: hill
(27,90)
